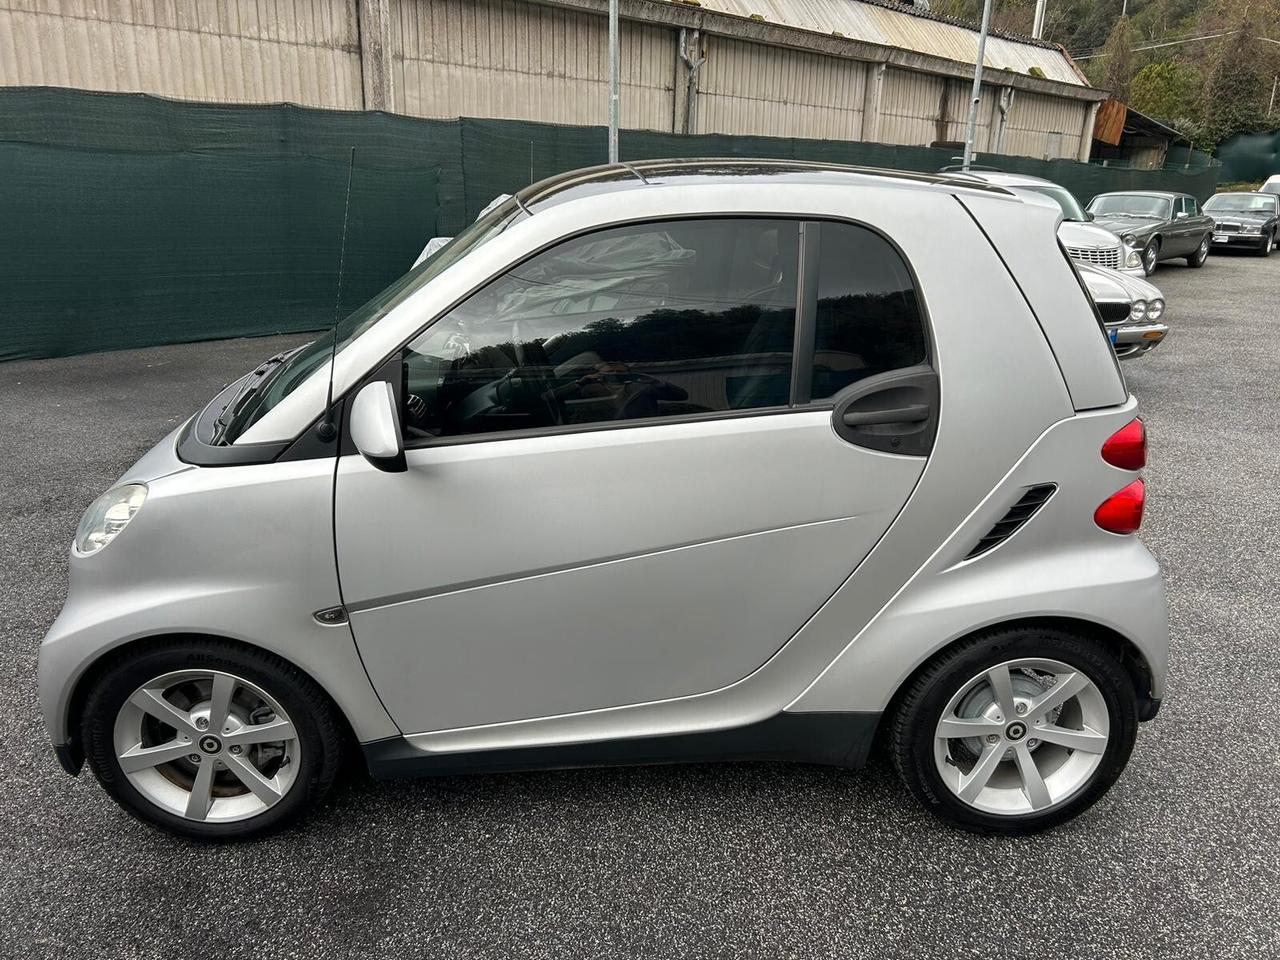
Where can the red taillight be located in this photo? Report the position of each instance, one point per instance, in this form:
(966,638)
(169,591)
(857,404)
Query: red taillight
(1122,511)
(1127,447)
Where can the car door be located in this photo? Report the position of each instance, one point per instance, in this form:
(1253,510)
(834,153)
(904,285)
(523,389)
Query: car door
(1186,226)
(623,482)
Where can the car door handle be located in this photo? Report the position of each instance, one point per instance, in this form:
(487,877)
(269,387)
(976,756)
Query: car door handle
(914,413)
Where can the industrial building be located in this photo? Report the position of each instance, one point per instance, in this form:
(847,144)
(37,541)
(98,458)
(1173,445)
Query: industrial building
(863,70)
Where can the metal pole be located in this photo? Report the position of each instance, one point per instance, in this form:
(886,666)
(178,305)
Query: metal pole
(971,131)
(614,81)
(1272,105)
(1037,31)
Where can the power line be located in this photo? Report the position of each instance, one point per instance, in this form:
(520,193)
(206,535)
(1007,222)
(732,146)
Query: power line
(1168,43)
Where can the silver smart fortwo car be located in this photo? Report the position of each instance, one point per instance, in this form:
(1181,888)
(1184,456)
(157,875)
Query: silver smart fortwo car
(666,461)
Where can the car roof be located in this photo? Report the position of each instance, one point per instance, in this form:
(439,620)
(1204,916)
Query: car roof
(1002,179)
(649,174)
(1164,194)
(1243,193)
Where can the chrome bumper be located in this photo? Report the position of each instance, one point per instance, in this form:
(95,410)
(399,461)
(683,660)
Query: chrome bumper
(1135,339)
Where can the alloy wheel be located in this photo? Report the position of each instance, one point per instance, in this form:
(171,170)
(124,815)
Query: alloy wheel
(1149,258)
(207,746)
(1202,254)
(1021,737)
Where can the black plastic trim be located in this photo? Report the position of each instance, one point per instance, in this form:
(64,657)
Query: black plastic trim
(70,757)
(1148,707)
(833,739)
(191,450)
(1027,506)
(913,393)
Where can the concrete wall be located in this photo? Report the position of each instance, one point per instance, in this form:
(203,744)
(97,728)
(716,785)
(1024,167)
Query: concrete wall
(543,61)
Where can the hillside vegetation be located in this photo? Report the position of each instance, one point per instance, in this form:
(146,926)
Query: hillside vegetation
(1210,89)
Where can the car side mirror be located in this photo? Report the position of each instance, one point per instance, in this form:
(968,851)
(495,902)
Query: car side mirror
(375,427)
(1181,215)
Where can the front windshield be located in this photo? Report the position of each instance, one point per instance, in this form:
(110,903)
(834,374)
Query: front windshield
(1242,202)
(310,358)
(1136,204)
(1071,209)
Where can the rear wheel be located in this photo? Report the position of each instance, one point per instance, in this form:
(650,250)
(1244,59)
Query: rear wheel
(1198,258)
(1016,730)
(210,740)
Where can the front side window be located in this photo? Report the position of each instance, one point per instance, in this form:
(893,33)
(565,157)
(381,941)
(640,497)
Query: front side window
(868,318)
(637,322)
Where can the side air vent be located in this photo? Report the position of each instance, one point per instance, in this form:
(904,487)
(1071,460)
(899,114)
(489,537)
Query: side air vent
(1022,511)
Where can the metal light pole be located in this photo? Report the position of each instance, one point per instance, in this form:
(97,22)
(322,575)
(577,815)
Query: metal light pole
(614,81)
(971,132)
(1037,29)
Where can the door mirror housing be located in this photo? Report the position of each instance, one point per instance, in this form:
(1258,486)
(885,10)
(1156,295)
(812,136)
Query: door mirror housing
(1181,215)
(375,427)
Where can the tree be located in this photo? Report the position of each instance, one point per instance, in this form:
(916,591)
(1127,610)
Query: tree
(1169,91)
(1236,87)
(1117,55)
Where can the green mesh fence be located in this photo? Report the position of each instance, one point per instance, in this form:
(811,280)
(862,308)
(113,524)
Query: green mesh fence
(1250,157)
(134,221)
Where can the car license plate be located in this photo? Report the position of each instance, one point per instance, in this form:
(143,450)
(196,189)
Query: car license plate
(1221,238)
(1113,334)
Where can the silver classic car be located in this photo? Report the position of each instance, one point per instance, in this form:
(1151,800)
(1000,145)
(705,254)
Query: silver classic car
(1132,309)
(1250,220)
(1164,226)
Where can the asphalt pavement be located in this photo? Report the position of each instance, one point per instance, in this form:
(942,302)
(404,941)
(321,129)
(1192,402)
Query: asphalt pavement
(1181,859)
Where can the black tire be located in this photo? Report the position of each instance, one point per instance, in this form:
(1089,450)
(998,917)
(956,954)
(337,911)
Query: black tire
(1268,242)
(911,738)
(321,734)
(1150,257)
(1201,256)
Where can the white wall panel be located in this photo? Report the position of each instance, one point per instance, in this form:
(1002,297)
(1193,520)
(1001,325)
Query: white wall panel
(250,51)
(750,88)
(525,61)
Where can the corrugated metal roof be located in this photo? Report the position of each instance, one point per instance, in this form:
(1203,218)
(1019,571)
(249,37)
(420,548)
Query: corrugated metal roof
(891,25)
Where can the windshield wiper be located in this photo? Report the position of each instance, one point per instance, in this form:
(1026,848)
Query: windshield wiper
(248,387)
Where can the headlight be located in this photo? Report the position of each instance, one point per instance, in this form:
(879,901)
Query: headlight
(1130,239)
(1251,228)
(1134,259)
(1155,309)
(107,516)
(1138,311)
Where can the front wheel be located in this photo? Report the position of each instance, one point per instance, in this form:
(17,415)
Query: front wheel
(1198,258)
(1015,730)
(211,740)
(1268,244)
(1150,257)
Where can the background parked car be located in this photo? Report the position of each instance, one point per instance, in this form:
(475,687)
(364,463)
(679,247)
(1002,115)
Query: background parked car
(1165,226)
(1272,185)
(1131,308)
(1086,242)
(1250,220)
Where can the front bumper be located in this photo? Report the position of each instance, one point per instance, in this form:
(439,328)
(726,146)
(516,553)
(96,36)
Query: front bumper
(1237,240)
(1132,340)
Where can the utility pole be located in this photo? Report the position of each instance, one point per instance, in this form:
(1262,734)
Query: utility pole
(971,131)
(1037,30)
(614,81)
